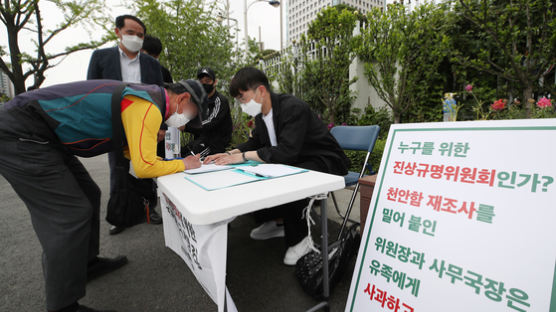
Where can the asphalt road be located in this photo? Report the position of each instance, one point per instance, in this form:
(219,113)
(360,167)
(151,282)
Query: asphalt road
(155,279)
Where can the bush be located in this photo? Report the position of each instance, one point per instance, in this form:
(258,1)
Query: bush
(242,125)
(358,157)
(383,119)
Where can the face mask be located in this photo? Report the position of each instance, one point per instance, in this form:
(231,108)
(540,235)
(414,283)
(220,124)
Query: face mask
(208,87)
(132,43)
(177,120)
(252,108)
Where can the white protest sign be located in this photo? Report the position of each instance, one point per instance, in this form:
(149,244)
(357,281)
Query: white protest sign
(461,219)
(202,247)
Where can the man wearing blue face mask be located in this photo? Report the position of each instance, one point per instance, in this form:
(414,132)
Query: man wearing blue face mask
(286,132)
(42,132)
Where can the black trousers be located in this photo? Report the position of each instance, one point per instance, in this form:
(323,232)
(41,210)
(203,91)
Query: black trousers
(295,226)
(64,203)
(112,156)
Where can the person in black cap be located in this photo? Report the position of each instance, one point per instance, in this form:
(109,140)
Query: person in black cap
(215,133)
(42,132)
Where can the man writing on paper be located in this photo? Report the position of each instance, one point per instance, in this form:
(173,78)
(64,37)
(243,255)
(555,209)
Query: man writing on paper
(42,131)
(286,132)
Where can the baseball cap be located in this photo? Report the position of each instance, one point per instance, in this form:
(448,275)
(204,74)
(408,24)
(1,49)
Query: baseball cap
(206,71)
(198,95)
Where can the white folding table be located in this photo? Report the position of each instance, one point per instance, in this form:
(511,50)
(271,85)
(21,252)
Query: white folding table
(201,207)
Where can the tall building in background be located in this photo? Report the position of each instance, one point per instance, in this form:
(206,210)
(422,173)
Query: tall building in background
(302,12)
(6,85)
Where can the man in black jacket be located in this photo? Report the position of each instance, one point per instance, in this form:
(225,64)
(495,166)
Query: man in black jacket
(124,62)
(153,47)
(286,132)
(115,62)
(215,134)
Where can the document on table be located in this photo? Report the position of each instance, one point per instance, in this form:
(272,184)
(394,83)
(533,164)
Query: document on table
(221,179)
(207,168)
(272,170)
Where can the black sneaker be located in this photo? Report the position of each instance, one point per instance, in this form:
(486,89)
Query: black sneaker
(116,229)
(155,218)
(82,308)
(101,266)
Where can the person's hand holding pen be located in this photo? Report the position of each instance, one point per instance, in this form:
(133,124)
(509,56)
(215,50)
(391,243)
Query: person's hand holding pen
(192,162)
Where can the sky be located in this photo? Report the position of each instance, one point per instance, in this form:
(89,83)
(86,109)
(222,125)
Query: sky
(74,67)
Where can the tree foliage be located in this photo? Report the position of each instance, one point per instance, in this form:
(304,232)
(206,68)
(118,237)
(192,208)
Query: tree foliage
(191,37)
(511,41)
(21,18)
(329,49)
(316,69)
(402,52)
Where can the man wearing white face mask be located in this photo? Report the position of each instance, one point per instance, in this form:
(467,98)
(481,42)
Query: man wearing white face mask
(42,132)
(125,62)
(286,132)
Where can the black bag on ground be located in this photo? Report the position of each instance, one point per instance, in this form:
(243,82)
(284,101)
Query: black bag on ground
(128,204)
(132,198)
(308,268)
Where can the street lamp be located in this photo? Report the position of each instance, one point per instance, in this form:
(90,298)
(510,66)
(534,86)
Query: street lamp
(246,7)
(220,18)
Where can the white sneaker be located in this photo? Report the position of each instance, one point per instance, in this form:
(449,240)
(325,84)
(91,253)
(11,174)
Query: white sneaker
(294,253)
(267,230)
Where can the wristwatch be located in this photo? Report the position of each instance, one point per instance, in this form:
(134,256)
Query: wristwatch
(243,155)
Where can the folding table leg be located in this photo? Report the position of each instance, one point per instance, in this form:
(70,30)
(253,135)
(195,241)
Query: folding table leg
(325,286)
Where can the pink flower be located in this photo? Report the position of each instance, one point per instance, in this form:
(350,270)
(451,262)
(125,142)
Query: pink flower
(498,105)
(330,125)
(344,124)
(469,88)
(544,102)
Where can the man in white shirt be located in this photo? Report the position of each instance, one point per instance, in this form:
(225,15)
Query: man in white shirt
(286,132)
(125,62)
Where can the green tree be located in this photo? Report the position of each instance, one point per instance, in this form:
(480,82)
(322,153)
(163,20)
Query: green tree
(510,40)
(331,44)
(288,72)
(22,18)
(191,37)
(402,52)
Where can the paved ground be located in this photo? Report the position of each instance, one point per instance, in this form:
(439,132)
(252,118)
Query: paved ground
(156,279)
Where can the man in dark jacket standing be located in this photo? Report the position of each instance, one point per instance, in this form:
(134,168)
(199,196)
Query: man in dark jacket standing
(125,63)
(286,132)
(215,134)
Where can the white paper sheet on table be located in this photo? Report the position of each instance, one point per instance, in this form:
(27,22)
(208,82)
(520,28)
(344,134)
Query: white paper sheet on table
(207,168)
(221,179)
(272,170)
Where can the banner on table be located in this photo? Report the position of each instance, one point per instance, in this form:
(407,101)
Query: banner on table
(202,247)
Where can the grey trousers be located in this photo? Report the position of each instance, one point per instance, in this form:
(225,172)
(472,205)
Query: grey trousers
(64,203)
